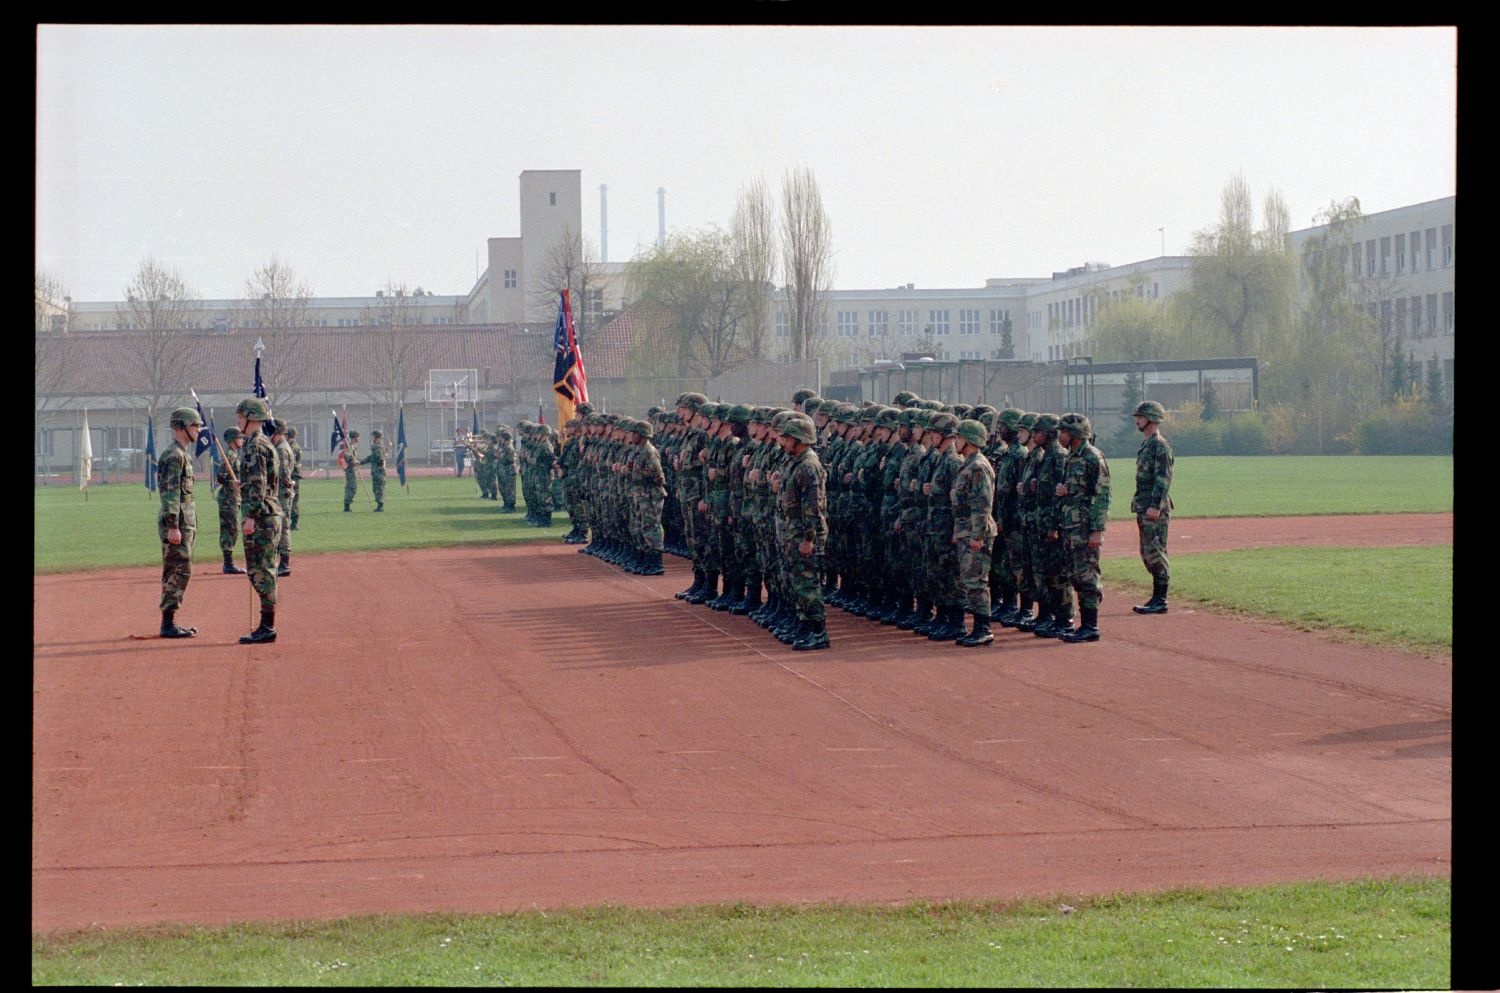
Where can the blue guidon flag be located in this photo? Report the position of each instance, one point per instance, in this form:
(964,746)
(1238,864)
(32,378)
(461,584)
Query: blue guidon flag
(150,455)
(401,446)
(569,380)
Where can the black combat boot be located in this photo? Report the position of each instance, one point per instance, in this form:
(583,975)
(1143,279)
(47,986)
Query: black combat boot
(346,508)
(267,630)
(708,590)
(1058,626)
(284,567)
(900,610)
(1088,626)
(1001,608)
(725,597)
(949,626)
(169,628)
(814,636)
(978,635)
(789,629)
(697,585)
(919,615)
(1158,602)
(1025,619)
(653,566)
(380,507)
(230,569)
(750,601)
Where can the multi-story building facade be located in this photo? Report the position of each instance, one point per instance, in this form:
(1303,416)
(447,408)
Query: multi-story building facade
(1401,265)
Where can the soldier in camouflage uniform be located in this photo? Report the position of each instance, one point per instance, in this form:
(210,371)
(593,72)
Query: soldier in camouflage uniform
(1084,496)
(177,520)
(1026,518)
(376,461)
(887,559)
(482,450)
(285,462)
(350,458)
(647,485)
(705,541)
(1007,567)
(803,496)
(1152,503)
(690,482)
(505,469)
(941,555)
(259,482)
(229,500)
(973,498)
(910,520)
(738,556)
(1049,559)
(295,512)
(573,479)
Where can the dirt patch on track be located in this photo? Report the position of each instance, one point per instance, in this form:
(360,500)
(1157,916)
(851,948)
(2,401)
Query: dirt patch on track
(493,729)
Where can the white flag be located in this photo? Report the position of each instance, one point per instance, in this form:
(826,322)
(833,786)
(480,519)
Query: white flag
(85,454)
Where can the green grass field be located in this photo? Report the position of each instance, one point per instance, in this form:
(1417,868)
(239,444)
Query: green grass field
(1380,934)
(1394,597)
(116,524)
(1279,485)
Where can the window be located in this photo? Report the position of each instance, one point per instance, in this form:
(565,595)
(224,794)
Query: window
(880,323)
(1416,317)
(1432,314)
(1370,257)
(1385,256)
(1401,315)
(783,326)
(1447,313)
(1385,317)
(1400,253)
(552,199)
(908,323)
(848,321)
(1447,244)
(510,277)
(968,323)
(939,321)
(973,354)
(1431,248)
(1416,251)
(1357,257)
(998,320)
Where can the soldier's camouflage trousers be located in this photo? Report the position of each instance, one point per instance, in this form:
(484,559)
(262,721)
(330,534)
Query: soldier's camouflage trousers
(805,582)
(284,539)
(942,563)
(745,557)
(229,526)
(377,484)
(645,518)
(1049,568)
(350,485)
(294,512)
(505,479)
(1154,545)
(768,561)
(578,509)
(974,577)
(1083,570)
(260,558)
(1018,560)
(176,568)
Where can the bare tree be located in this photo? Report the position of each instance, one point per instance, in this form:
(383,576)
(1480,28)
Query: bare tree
(160,312)
(571,263)
(753,233)
(395,355)
(276,303)
(806,261)
(54,321)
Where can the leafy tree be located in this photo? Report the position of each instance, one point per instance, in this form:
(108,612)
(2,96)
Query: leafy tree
(694,284)
(1007,343)
(1435,396)
(1210,400)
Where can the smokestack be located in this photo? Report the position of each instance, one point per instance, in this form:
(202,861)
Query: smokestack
(661,217)
(603,222)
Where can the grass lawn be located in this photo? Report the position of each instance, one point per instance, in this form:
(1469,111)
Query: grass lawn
(1396,597)
(1380,934)
(1278,485)
(116,525)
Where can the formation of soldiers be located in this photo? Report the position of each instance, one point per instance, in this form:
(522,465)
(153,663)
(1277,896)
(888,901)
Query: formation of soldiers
(499,462)
(912,515)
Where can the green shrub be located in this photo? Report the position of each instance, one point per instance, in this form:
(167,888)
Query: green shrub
(1406,427)
(1246,434)
(1197,437)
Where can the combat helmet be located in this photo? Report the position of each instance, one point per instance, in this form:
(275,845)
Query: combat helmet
(1151,411)
(1076,425)
(184,416)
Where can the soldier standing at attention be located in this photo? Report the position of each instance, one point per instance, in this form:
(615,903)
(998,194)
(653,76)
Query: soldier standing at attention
(295,511)
(351,476)
(803,499)
(1050,555)
(1152,503)
(505,469)
(1084,497)
(376,461)
(259,481)
(973,498)
(285,493)
(177,520)
(229,500)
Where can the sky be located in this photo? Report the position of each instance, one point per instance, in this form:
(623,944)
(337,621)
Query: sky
(362,155)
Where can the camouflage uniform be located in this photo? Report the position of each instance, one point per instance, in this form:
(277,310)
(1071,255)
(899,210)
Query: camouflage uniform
(803,502)
(229,506)
(505,469)
(174,483)
(1153,482)
(260,480)
(1049,554)
(294,512)
(1084,509)
(285,494)
(648,488)
(973,497)
(351,472)
(942,557)
(376,461)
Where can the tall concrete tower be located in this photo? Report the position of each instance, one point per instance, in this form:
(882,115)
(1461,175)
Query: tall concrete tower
(661,217)
(603,222)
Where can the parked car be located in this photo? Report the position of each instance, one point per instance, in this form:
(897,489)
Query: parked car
(123,460)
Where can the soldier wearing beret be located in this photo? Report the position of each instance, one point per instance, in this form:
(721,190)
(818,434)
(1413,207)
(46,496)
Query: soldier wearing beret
(177,518)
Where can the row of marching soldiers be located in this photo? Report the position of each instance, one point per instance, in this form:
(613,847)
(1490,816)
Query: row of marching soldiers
(924,513)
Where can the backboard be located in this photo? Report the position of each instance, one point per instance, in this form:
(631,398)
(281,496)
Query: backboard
(452,385)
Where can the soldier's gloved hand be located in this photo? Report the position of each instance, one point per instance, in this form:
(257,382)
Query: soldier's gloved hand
(1153,513)
(1062,489)
(806,548)
(975,544)
(174,536)
(249,527)
(1096,539)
